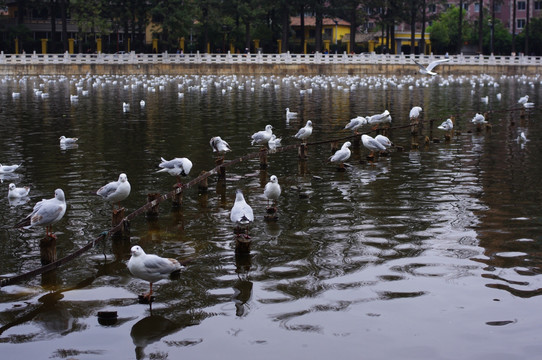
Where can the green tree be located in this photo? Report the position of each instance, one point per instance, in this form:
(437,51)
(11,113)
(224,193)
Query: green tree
(445,31)
(89,17)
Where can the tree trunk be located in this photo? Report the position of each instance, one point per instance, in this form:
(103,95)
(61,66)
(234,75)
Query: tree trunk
(527,28)
(412,26)
(460,28)
(302,25)
(514,27)
(247,35)
(353,27)
(318,31)
(422,40)
(64,25)
(285,17)
(481,28)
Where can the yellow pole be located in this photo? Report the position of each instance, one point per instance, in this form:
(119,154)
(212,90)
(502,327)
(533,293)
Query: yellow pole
(155,45)
(99,45)
(44,46)
(181,44)
(208,48)
(348,47)
(256,44)
(232,48)
(70,45)
(371,46)
(16,45)
(279,46)
(326,45)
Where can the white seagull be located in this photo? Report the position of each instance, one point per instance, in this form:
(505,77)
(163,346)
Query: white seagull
(446,125)
(262,137)
(17,192)
(241,212)
(379,118)
(150,267)
(290,114)
(371,144)
(479,119)
(115,191)
(274,142)
(219,146)
(522,138)
(415,112)
(355,124)
(428,70)
(272,189)
(176,167)
(342,154)
(8,168)
(383,140)
(67,140)
(304,133)
(523,99)
(46,213)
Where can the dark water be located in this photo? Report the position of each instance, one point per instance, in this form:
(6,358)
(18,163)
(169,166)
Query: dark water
(432,253)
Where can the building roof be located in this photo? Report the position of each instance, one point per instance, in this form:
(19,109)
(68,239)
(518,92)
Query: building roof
(310,21)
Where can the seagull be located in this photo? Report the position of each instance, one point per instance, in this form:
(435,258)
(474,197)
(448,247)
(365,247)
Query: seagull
(479,119)
(355,124)
(304,133)
(446,125)
(522,138)
(125,107)
(15,192)
(219,146)
(67,141)
(8,168)
(150,267)
(523,99)
(371,144)
(46,213)
(115,191)
(290,114)
(274,142)
(176,167)
(272,190)
(528,105)
(379,118)
(383,140)
(428,70)
(142,103)
(415,112)
(262,137)
(342,154)
(241,212)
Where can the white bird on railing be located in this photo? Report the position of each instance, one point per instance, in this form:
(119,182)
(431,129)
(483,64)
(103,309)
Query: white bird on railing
(446,125)
(274,142)
(46,213)
(522,100)
(355,124)
(384,140)
(176,167)
(479,119)
(272,190)
(415,112)
(241,213)
(371,144)
(428,70)
(304,133)
(262,137)
(115,191)
(342,154)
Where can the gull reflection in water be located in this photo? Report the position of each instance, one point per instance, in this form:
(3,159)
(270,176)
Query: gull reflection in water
(150,330)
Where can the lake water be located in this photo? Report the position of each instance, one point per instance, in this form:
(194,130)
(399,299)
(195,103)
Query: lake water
(431,253)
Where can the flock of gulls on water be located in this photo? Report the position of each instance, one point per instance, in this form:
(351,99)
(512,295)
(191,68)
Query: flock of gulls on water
(153,268)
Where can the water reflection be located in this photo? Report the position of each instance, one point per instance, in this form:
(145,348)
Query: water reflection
(440,234)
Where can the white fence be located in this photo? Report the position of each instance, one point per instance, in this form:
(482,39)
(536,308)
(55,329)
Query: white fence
(259,58)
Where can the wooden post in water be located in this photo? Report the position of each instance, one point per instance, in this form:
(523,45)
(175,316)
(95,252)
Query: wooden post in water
(153,211)
(263,158)
(203,185)
(178,197)
(334,146)
(117,218)
(222,169)
(48,249)
(242,244)
(302,151)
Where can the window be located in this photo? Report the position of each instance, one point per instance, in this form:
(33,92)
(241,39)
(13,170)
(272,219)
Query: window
(521,5)
(520,23)
(538,5)
(466,6)
(432,8)
(498,8)
(477,7)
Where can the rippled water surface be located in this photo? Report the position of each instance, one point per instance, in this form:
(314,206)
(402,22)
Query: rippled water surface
(433,252)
